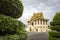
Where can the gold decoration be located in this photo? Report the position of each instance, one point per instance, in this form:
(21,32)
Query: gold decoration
(37,16)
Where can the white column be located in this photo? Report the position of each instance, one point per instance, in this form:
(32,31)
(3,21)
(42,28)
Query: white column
(42,22)
(34,22)
(37,22)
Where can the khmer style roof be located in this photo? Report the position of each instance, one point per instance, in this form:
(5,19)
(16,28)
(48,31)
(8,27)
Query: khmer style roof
(37,16)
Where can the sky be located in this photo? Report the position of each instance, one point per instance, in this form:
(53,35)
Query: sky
(47,7)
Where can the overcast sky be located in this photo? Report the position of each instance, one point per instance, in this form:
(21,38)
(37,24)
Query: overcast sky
(48,7)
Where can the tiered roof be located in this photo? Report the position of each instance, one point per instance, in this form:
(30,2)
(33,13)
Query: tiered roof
(37,16)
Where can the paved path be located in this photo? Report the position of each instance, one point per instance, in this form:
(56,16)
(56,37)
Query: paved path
(37,36)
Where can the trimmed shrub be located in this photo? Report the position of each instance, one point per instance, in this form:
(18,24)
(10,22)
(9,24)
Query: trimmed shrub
(54,34)
(53,38)
(11,29)
(56,28)
(12,8)
(55,22)
(57,16)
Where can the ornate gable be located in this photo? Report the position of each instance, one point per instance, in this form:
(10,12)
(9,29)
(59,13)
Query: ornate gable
(37,16)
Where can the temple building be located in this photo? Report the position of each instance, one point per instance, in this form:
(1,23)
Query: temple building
(37,23)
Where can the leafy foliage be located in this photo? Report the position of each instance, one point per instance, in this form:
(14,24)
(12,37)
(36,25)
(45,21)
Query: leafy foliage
(55,27)
(55,22)
(10,28)
(53,38)
(57,16)
(12,8)
(54,34)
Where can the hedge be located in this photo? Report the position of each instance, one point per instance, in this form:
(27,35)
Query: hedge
(56,28)
(55,22)
(53,38)
(14,37)
(57,16)
(12,8)
(54,34)
(9,24)
(11,29)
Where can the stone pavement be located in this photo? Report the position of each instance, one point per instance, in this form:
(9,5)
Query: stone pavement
(37,36)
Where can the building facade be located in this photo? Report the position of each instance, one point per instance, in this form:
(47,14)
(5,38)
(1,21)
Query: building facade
(37,23)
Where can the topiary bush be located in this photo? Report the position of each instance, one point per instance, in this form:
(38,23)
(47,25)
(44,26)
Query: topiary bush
(54,34)
(10,28)
(12,8)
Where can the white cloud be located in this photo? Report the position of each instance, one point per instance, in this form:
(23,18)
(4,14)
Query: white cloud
(48,7)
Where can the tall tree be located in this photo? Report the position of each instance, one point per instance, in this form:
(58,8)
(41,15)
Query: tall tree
(10,28)
(54,34)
